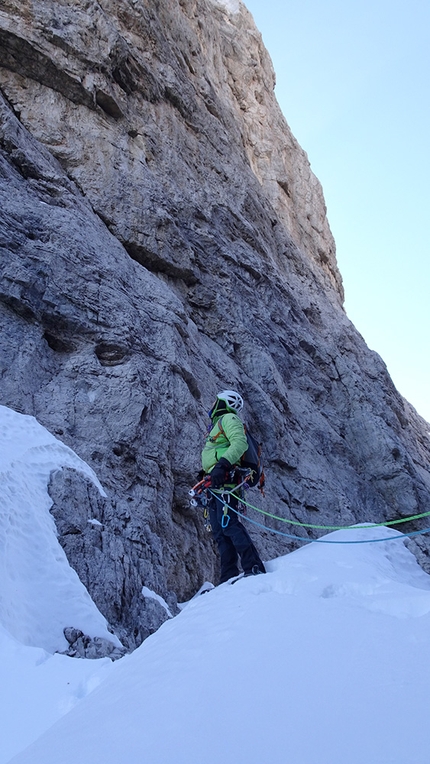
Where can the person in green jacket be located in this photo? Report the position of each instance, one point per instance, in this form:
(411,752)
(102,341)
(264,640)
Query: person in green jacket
(225,444)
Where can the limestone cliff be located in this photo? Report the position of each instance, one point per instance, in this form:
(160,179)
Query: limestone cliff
(162,236)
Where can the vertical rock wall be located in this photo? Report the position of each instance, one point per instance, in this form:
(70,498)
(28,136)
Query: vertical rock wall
(162,236)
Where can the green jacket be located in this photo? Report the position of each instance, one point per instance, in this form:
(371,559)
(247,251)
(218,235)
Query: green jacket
(231,445)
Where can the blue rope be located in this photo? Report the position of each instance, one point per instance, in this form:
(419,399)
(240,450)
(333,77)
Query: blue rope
(326,541)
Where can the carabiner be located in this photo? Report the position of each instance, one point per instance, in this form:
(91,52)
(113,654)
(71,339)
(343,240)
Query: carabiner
(225,518)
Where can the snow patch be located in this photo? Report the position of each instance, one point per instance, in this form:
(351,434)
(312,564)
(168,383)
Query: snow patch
(232,6)
(40,593)
(206,587)
(152,595)
(37,689)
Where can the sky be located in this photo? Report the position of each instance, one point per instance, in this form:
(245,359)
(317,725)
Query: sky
(353,83)
(326,658)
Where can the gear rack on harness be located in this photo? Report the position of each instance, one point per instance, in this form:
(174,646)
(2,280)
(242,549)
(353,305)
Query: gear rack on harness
(199,493)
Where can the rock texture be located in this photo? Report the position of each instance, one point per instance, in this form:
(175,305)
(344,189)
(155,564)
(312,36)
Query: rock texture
(162,236)
(82,646)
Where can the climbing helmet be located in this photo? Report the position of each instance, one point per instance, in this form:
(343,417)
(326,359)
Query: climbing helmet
(232,399)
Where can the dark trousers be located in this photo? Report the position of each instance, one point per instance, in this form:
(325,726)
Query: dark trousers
(233,540)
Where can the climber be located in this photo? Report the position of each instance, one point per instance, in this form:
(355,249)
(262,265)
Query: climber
(222,451)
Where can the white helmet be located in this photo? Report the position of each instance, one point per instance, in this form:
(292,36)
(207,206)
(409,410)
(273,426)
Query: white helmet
(232,399)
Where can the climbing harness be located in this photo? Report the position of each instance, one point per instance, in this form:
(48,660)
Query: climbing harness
(199,494)
(236,473)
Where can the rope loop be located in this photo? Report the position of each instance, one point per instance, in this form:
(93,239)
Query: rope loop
(325,527)
(388,523)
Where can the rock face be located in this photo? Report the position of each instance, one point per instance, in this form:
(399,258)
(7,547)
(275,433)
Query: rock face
(82,646)
(162,237)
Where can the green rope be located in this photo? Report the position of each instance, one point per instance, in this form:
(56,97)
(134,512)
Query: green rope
(332,541)
(331,527)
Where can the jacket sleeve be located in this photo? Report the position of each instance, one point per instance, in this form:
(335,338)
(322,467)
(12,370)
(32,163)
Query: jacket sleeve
(235,433)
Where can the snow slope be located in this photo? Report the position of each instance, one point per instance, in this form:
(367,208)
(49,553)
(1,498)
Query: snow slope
(37,688)
(39,593)
(324,660)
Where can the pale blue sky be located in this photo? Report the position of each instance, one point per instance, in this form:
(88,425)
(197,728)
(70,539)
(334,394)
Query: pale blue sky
(353,83)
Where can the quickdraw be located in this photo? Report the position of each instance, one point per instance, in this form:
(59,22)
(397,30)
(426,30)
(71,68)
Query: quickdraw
(199,498)
(202,485)
(206,520)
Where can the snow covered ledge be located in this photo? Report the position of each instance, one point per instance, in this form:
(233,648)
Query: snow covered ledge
(41,595)
(232,6)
